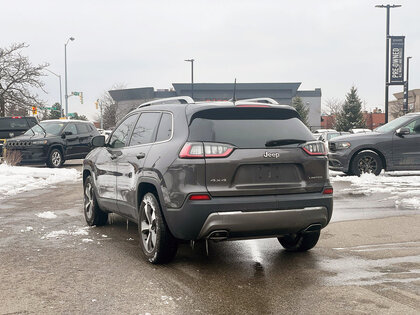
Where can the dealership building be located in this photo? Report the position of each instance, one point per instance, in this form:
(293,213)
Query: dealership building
(283,93)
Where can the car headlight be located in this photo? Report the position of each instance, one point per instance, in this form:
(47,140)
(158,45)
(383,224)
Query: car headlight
(39,142)
(342,145)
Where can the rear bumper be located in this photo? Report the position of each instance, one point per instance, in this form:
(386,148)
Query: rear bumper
(250,217)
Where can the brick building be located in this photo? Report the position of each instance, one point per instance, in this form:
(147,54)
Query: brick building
(373,120)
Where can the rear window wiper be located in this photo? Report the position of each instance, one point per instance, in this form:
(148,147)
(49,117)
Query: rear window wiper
(278,142)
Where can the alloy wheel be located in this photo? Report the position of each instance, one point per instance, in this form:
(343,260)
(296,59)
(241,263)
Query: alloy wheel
(148,226)
(367,164)
(56,158)
(89,200)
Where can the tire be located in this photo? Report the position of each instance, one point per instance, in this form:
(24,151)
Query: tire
(156,241)
(55,158)
(93,214)
(299,242)
(366,162)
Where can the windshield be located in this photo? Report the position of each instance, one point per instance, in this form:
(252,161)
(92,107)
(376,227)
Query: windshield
(52,128)
(392,125)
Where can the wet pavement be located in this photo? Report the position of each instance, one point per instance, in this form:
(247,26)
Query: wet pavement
(367,261)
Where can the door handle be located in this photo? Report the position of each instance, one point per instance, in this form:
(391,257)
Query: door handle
(140,156)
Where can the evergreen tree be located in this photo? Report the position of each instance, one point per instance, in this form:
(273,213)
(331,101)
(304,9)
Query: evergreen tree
(55,113)
(302,109)
(351,116)
(79,117)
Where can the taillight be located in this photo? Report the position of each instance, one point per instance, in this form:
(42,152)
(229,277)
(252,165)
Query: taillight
(328,191)
(200,197)
(192,150)
(315,148)
(17,117)
(206,149)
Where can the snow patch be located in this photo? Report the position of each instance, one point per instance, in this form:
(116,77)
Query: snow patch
(402,186)
(58,234)
(46,215)
(87,240)
(17,179)
(28,229)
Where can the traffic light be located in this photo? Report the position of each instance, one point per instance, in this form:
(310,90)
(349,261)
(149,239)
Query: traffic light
(34,110)
(81,97)
(97,104)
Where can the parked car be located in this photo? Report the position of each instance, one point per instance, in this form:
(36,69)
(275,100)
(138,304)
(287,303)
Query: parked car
(359,130)
(214,171)
(393,146)
(54,141)
(14,126)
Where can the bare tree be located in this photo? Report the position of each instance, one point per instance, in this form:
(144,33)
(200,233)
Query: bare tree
(109,107)
(18,78)
(333,106)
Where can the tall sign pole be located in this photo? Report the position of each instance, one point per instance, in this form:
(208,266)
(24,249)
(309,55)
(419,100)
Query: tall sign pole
(388,7)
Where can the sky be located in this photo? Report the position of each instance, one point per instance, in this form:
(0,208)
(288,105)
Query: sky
(327,44)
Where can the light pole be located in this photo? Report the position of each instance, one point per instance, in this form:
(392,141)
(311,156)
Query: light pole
(61,96)
(405,105)
(387,7)
(65,75)
(192,76)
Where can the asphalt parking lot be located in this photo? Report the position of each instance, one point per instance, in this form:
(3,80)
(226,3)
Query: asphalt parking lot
(367,261)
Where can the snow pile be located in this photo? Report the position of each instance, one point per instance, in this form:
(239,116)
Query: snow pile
(17,179)
(46,215)
(402,186)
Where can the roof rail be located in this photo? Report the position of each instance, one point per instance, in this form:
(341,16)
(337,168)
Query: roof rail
(266,100)
(168,100)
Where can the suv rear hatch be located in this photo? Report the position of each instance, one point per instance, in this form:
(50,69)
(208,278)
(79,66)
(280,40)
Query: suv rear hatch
(256,151)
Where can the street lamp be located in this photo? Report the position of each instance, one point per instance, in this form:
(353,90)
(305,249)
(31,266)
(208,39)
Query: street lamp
(192,76)
(405,104)
(65,75)
(387,7)
(61,96)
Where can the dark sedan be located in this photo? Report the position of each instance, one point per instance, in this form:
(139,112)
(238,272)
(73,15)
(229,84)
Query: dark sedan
(394,146)
(54,141)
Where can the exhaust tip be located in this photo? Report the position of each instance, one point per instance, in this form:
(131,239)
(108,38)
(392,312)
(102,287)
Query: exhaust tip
(219,235)
(313,228)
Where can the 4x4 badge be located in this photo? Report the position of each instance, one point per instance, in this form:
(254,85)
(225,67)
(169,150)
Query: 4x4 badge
(271,155)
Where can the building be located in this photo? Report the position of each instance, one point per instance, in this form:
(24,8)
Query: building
(373,120)
(283,93)
(396,106)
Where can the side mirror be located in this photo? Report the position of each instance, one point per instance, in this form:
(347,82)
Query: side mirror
(66,133)
(98,141)
(402,131)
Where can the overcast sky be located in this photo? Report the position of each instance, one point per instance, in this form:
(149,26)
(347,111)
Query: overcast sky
(330,44)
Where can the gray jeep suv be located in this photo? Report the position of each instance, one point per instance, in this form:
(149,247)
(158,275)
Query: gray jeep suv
(210,171)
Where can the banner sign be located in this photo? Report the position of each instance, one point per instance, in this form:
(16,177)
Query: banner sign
(397,60)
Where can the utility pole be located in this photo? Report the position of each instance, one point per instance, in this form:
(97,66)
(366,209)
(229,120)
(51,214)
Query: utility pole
(387,7)
(405,104)
(192,76)
(66,96)
(61,96)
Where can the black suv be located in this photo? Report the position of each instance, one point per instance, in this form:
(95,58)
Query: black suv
(394,146)
(14,126)
(54,141)
(212,171)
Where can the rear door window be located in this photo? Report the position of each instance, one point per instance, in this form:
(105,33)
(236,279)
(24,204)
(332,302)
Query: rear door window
(248,127)
(165,128)
(82,128)
(145,130)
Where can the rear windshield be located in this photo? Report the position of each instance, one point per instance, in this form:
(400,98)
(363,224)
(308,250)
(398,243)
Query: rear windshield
(247,127)
(13,124)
